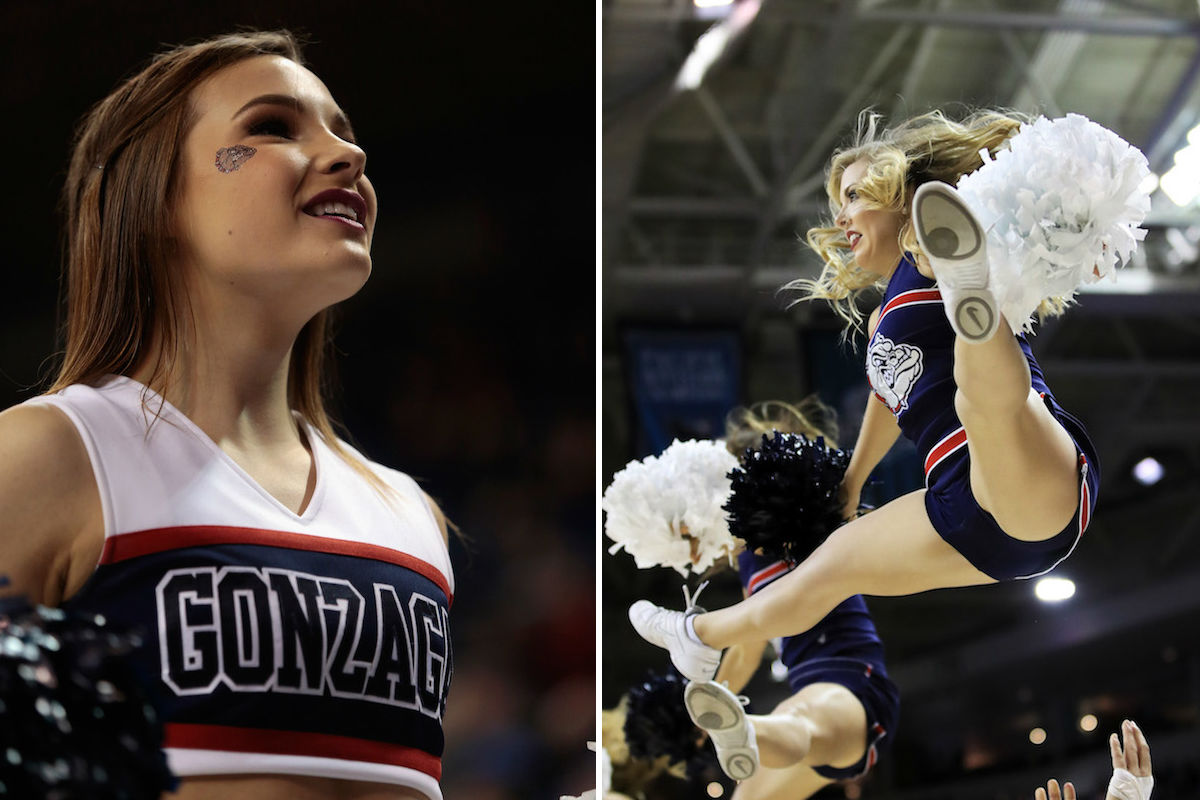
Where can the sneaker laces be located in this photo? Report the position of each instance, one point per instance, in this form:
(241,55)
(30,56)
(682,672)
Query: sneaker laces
(689,600)
(743,699)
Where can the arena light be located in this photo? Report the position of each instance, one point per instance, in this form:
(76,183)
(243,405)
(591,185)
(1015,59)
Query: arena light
(1149,184)
(712,9)
(1181,182)
(1088,723)
(715,789)
(1148,471)
(713,42)
(1037,735)
(1054,590)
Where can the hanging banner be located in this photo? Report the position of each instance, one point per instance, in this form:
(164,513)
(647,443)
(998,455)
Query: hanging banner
(682,383)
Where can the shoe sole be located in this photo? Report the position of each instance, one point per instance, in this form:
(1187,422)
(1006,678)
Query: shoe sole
(948,231)
(641,611)
(717,711)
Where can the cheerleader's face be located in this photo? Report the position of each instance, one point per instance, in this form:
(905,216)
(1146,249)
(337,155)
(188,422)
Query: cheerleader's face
(273,201)
(873,233)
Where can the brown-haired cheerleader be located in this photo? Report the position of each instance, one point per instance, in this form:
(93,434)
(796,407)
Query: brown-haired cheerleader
(181,477)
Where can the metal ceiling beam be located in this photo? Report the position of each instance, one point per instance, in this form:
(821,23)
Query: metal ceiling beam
(1159,145)
(917,67)
(623,146)
(672,206)
(1148,25)
(1056,53)
(830,56)
(805,155)
(1033,80)
(1002,20)
(732,141)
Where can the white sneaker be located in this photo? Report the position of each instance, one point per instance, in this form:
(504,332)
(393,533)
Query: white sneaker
(719,711)
(668,629)
(954,242)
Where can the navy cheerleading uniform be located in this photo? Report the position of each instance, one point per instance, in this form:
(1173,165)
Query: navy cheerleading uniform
(843,648)
(910,364)
(306,644)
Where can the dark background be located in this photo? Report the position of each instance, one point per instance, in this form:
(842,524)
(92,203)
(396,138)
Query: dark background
(468,359)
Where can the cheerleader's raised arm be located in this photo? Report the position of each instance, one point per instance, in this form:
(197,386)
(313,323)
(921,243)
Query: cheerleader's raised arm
(878,433)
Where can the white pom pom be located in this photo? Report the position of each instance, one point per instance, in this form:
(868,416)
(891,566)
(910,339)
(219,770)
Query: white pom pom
(652,503)
(1062,206)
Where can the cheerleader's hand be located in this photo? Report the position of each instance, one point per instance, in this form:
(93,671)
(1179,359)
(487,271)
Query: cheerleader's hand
(1131,778)
(1051,791)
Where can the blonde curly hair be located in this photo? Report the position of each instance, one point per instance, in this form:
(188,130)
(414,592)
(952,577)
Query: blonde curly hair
(929,147)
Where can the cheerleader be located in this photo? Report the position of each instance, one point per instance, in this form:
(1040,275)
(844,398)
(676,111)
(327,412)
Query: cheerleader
(1011,476)
(182,477)
(844,707)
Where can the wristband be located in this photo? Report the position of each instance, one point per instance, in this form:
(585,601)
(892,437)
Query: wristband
(1127,786)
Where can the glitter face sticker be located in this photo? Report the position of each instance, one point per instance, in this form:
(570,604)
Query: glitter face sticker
(231,158)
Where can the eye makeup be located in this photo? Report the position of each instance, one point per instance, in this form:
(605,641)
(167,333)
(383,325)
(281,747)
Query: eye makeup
(230,159)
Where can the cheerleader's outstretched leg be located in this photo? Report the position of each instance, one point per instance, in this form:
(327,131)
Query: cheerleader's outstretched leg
(776,756)
(1024,464)
(890,552)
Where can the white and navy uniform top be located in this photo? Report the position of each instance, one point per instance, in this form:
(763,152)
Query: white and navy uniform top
(843,648)
(910,365)
(307,644)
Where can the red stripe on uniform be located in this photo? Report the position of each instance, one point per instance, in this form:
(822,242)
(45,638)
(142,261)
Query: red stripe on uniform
(295,743)
(944,448)
(157,540)
(766,575)
(908,298)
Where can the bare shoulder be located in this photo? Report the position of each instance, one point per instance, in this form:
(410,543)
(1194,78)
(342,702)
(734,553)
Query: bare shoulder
(40,447)
(49,505)
(439,516)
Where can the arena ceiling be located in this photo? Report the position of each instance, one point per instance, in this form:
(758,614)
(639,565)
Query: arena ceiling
(707,191)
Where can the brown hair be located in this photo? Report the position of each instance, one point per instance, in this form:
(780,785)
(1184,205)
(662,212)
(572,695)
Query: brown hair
(929,147)
(119,199)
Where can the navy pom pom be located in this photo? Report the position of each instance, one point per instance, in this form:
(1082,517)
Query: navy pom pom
(76,721)
(786,495)
(657,723)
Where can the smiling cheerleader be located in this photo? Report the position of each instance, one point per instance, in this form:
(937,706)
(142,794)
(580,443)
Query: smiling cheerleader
(1010,476)
(182,478)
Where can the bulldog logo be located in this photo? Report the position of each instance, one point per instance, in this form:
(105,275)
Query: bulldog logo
(893,370)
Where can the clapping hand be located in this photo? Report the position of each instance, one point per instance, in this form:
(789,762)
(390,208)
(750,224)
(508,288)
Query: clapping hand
(1051,791)
(1131,778)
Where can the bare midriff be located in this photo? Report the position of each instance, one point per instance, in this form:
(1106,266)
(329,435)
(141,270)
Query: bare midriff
(287,787)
